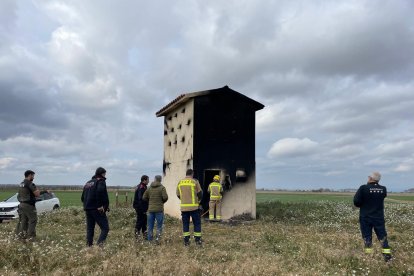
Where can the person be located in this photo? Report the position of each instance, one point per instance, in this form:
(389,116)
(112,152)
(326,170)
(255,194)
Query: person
(370,199)
(96,203)
(27,194)
(141,207)
(190,194)
(156,196)
(216,192)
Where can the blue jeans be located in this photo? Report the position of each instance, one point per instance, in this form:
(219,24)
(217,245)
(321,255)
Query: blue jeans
(152,217)
(92,217)
(367,224)
(195,215)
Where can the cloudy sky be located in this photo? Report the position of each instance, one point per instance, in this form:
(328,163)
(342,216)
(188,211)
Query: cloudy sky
(80,82)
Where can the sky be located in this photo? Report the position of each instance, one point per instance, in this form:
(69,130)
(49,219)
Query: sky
(80,82)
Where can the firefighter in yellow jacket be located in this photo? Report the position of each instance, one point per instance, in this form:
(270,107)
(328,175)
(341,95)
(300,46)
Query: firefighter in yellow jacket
(216,191)
(190,194)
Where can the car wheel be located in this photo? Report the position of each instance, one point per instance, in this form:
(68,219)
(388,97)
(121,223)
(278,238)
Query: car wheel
(55,207)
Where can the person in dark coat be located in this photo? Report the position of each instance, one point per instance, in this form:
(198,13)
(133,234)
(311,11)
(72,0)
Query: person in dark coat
(96,203)
(141,207)
(370,199)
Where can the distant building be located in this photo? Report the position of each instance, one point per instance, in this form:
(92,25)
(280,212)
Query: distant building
(212,132)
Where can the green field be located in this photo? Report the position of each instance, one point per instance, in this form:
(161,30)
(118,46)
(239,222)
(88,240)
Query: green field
(300,197)
(294,234)
(72,198)
(402,197)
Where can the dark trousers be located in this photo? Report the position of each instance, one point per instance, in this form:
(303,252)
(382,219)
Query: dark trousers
(26,226)
(95,217)
(141,224)
(378,224)
(195,216)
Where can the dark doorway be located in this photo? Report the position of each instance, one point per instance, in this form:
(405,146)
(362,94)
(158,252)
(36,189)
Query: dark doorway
(207,179)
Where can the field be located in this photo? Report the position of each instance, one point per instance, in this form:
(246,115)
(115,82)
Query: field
(304,234)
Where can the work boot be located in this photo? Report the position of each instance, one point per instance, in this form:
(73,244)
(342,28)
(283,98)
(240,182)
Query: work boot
(386,252)
(199,242)
(145,236)
(186,241)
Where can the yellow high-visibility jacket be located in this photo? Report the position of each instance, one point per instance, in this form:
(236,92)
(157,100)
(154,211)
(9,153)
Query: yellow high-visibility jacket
(215,190)
(189,192)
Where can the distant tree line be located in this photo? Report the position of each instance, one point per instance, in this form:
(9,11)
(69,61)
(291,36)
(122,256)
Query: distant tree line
(60,187)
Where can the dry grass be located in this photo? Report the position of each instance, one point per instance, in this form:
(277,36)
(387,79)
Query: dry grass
(302,238)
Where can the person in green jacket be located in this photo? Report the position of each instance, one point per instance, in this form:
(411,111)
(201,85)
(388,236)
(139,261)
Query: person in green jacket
(156,196)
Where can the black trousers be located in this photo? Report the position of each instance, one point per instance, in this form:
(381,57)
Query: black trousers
(95,217)
(378,224)
(141,224)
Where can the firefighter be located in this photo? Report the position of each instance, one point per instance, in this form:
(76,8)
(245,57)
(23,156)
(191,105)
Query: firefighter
(216,191)
(370,199)
(190,194)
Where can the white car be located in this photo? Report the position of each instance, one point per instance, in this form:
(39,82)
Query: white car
(44,203)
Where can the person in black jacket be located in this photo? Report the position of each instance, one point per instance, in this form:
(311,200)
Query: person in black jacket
(96,203)
(141,207)
(370,199)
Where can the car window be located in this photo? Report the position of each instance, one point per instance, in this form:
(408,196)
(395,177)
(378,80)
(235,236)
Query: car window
(12,199)
(47,196)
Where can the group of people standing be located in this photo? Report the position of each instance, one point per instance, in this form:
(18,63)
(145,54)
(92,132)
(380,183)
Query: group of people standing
(369,198)
(151,200)
(149,203)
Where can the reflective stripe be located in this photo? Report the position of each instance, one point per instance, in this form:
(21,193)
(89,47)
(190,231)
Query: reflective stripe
(186,234)
(368,250)
(218,217)
(197,234)
(386,250)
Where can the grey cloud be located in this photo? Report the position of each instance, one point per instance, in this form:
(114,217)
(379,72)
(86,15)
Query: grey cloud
(94,73)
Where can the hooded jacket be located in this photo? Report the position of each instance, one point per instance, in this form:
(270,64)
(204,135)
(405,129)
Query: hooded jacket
(156,196)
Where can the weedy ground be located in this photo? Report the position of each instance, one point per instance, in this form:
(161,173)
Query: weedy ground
(302,238)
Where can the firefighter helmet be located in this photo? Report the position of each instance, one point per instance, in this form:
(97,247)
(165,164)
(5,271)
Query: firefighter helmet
(216,178)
